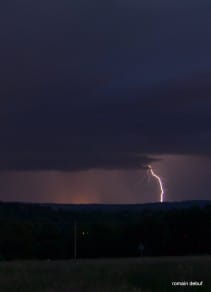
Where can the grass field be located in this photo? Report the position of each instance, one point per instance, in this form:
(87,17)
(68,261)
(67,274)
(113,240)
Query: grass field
(102,275)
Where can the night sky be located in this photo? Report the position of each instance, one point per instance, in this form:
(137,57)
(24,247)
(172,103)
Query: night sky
(93,91)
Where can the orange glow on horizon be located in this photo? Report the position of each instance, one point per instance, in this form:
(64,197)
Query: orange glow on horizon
(77,199)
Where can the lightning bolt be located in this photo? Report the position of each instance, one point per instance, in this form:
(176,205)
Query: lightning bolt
(160,182)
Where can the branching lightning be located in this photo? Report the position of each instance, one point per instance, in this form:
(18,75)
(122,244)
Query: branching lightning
(160,182)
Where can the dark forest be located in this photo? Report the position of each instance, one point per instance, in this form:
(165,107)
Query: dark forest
(33,231)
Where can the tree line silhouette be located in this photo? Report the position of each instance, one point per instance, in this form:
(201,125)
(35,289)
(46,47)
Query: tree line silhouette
(30,231)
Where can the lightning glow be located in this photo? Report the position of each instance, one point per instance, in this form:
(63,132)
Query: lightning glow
(160,182)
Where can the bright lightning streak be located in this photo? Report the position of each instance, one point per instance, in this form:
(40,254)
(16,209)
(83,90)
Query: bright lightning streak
(160,182)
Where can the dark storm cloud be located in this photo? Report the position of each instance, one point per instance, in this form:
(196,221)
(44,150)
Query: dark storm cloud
(103,84)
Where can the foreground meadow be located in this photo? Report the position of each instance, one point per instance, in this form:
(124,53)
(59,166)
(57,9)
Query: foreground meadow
(102,275)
